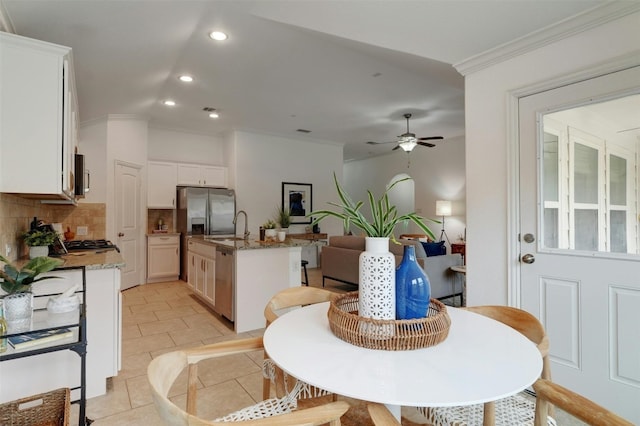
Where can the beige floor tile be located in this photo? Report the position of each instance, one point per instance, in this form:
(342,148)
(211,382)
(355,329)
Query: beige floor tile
(129,318)
(252,384)
(134,365)
(217,370)
(150,307)
(219,400)
(178,312)
(146,415)
(147,344)
(131,331)
(163,326)
(194,335)
(115,401)
(133,299)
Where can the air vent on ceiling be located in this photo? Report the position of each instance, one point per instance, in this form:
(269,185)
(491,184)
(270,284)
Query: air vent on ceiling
(303,131)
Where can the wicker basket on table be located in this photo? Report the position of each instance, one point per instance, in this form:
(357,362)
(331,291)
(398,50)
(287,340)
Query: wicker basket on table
(45,409)
(390,335)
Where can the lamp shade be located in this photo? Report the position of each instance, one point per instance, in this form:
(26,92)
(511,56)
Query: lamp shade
(443,208)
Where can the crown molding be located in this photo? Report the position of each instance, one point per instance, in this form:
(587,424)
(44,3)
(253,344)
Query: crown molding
(566,28)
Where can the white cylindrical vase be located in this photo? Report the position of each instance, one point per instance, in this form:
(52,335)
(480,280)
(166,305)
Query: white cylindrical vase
(38,251)
(377,292)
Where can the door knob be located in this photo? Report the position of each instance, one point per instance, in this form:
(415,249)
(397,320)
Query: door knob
(120,234)
(529,238)
(528,258)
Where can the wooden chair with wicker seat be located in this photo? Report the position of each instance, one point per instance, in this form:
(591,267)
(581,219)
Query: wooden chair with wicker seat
(547,393)
(516,409)
(163,371)
(283,301)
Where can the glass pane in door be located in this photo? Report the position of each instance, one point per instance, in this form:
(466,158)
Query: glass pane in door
(586,230)
(618,180)
(618,233)
(585,174)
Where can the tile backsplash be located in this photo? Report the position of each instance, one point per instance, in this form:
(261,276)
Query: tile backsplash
(17,213)
(167,216)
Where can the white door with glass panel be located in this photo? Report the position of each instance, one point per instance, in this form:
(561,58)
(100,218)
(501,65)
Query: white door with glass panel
(579,233)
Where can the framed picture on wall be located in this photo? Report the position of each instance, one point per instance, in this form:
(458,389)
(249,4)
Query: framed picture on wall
(297,197)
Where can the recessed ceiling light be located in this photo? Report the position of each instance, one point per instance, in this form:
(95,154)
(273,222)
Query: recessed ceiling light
(169,102)
(214,115)
(218,35)
(186,78)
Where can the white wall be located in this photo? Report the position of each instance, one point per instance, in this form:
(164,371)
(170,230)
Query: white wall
(439,174)
(263,162)
(183,147)
(488,143)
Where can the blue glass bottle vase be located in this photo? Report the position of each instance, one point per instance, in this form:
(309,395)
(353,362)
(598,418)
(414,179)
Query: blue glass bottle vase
(413,290)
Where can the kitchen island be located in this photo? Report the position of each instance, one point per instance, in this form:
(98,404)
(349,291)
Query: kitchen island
(238,277)
(42,373)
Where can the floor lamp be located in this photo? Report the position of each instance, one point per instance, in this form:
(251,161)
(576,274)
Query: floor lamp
(443,208)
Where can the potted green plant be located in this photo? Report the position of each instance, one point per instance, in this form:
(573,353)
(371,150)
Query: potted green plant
(283,217)
(384,216)
(39,241)
(377,285)
(269,228)
(18,299)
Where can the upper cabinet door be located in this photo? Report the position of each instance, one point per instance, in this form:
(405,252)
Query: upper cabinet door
(162,180)
(190,174)
(202,175)
(214,176)
(36,118)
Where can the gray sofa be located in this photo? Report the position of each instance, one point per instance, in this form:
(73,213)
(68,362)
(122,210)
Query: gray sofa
(340,262)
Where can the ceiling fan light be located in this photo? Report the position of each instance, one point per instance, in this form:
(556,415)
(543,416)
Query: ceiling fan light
(408,146)
(407,142)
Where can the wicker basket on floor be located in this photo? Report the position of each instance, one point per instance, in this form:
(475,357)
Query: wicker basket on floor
(46,409)
(390,335)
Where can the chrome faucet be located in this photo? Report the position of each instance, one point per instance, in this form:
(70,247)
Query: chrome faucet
(246,224)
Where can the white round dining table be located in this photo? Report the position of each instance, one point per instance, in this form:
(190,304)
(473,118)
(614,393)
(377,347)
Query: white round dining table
(481,360)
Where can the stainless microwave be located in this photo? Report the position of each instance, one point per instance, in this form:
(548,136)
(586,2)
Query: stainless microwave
(82,177)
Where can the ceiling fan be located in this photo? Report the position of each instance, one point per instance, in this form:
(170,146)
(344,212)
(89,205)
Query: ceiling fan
(407,141)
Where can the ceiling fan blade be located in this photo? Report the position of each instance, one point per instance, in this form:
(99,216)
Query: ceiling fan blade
(430,138)
(430,145)
(379,143)
(396,147)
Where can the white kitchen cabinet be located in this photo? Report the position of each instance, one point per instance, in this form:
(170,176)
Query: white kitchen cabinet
(38,119)
(202,175)
(201,263)
(162,178)
(163,257)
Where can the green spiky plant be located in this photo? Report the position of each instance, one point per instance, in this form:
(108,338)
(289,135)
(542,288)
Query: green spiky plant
(283,217)
(385,216)
(19,281)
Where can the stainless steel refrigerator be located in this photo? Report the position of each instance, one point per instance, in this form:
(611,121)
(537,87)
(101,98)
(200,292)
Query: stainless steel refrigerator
(203,211)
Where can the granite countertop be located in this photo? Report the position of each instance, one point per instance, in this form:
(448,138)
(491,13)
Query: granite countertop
(94,260)
(252,243)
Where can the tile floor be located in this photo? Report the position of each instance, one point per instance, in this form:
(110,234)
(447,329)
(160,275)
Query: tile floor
(162,317)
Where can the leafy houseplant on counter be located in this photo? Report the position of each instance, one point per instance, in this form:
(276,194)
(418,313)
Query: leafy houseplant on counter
(283,218)
(39,241)
(269,229)
(377,290)
(18,300)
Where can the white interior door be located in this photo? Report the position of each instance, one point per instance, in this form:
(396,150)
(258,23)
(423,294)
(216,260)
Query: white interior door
(579,233)
(128,222)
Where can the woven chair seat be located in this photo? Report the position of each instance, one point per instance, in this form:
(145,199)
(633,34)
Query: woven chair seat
(514,410)
(301,390)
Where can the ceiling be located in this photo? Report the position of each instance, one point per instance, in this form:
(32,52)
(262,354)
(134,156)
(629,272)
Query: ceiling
(345,70)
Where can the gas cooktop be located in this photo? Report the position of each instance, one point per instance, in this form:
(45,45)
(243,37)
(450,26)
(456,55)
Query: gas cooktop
(90,245)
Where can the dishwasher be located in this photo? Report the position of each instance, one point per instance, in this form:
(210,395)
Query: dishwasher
(224,289)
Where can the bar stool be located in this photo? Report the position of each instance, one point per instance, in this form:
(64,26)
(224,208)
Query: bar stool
(304,264)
